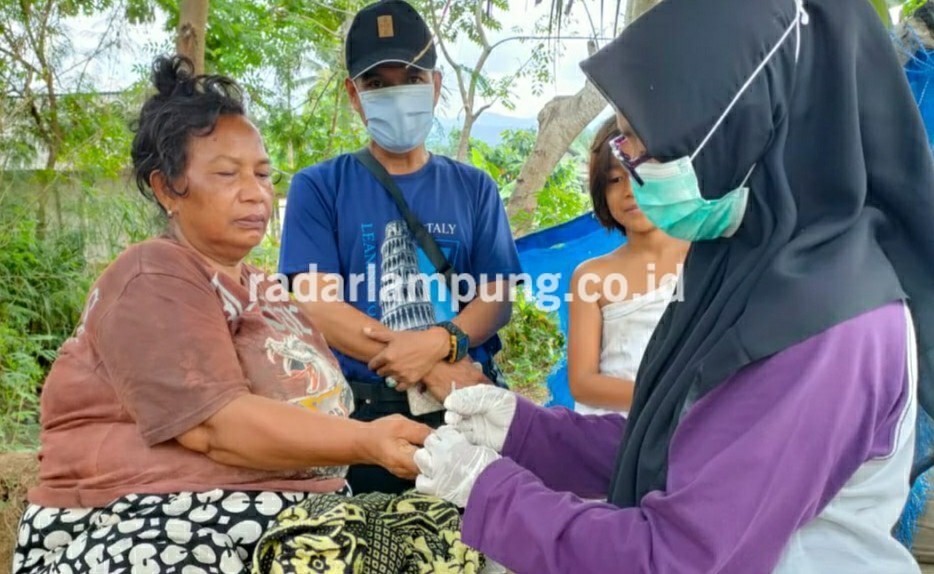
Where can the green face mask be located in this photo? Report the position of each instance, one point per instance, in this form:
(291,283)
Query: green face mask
(670,196)
(671,199)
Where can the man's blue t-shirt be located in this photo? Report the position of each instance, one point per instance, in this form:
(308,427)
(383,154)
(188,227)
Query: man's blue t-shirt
(339,219)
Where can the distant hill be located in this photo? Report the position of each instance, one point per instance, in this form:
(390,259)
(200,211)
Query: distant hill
(488,128)
(490,125)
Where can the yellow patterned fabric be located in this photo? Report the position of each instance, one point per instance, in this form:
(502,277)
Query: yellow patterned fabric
(380,533)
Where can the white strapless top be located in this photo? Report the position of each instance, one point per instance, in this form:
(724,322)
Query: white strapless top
(627,327)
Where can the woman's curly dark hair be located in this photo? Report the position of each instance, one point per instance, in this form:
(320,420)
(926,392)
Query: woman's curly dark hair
(185,105)
(601,161)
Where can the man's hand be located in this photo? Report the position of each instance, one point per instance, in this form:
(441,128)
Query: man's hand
(408,355)
(393,441)
(462,374)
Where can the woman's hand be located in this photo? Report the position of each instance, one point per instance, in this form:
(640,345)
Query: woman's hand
(482,413)
(449,465)
(392,442)
(408,355)
(444,377)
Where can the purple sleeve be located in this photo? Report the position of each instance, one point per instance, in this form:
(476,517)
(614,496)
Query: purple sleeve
(549,442)
(751,463)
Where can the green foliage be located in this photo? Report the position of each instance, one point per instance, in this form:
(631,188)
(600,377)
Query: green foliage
(532,345)
(561,199)
(911,6)
(111,220)
(43,282)
(318,128)
(288,56)
(265,256)
(97,137)
(42,111)
(44,279)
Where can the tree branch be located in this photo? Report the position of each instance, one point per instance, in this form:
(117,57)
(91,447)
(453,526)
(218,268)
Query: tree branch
(481,31)
(435,25)
(560,121)
(482,109)
(16,57)
(481,61)
(97,50)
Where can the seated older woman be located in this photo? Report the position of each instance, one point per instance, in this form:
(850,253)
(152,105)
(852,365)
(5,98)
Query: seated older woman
(187,411)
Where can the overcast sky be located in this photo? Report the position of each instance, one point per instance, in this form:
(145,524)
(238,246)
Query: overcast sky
(116,71)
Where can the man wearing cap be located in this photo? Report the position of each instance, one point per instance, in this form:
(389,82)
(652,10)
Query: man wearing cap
(351,252)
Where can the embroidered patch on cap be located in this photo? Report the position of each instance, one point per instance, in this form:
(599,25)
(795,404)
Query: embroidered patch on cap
(384,25)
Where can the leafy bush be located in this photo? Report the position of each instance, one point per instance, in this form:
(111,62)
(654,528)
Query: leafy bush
(533,342)
(43,283)
(45,276)
(562,198)
(265,256)
(532,345)
(912,6)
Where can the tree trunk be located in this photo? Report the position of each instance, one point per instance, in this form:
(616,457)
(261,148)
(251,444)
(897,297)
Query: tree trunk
(192,26)
(560,121)
(463,146)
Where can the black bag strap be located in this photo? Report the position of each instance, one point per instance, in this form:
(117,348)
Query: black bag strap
(425,240)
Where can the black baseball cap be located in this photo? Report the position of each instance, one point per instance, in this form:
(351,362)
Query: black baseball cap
(388,31)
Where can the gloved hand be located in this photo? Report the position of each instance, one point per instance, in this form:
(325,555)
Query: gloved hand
(449,465)
(482,413)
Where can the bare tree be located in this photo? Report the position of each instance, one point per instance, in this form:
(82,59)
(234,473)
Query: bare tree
(477,91)
(192,28)
(559,123)
(467,86)
(41,75)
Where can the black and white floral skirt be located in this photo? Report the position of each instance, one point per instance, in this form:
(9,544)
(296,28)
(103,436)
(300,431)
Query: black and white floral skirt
(185,533)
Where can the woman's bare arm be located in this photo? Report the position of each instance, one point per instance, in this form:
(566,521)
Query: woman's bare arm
(257,432)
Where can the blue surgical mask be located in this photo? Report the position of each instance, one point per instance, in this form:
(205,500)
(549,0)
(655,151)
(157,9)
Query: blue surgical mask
(399,118)
(671,197)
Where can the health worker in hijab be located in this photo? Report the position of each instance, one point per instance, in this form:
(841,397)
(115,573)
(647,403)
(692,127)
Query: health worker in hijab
(773,422)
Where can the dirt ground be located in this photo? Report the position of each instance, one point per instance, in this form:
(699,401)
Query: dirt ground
(18,472)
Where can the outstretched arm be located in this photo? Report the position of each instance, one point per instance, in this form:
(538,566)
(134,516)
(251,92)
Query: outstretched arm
(752,462)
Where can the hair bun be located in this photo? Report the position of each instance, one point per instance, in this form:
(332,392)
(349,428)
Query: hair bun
(168,73)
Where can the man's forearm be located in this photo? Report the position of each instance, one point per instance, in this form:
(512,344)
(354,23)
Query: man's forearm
(482,319)
(343,326)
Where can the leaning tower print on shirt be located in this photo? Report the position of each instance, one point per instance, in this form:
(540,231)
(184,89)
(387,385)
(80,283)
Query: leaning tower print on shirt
(403,302)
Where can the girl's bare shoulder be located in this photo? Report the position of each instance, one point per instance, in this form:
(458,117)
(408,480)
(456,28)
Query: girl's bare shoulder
(620,260)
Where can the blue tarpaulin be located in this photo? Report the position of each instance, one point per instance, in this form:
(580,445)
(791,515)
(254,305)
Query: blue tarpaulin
(559,250)
(920,72)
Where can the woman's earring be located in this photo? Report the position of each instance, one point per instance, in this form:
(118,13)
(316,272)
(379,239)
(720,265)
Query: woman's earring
(169,213)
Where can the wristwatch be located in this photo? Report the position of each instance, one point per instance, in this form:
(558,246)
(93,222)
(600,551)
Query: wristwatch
(460,342)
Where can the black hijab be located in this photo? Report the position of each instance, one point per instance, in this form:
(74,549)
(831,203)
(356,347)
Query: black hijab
(840,218)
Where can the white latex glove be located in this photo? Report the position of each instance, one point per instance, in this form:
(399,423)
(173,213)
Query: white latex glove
(482,413)
(449,465)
